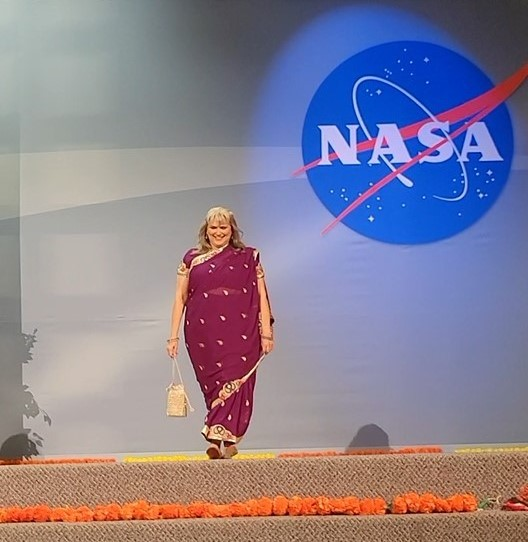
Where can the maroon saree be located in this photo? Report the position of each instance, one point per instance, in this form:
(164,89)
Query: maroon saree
(222,336)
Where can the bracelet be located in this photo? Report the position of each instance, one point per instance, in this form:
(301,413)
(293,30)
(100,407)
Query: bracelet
(173,339)
(269,338)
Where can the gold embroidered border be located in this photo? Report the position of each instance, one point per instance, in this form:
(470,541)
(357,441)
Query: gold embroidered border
(182,270)
(202,258)
(228,389)
(218,432)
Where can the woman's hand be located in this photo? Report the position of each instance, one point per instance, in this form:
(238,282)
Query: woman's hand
(267,344)
(172,346)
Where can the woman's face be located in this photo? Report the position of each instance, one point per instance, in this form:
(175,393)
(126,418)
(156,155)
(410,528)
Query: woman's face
(218,233)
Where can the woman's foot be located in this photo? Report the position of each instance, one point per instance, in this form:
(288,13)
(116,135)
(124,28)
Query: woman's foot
(214,452)
(230,450)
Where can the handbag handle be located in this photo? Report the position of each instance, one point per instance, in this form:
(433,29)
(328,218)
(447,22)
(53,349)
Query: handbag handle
(176,367)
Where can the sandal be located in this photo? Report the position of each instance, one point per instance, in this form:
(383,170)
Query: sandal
(213,452)
(230,451)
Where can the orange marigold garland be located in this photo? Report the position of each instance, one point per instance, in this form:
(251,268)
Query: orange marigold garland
(425,503)
(363,451)
(50,461)
(280,506)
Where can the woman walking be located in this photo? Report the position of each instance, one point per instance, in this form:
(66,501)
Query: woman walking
(221,294)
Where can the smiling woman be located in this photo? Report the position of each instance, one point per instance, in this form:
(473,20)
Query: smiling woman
(221,290)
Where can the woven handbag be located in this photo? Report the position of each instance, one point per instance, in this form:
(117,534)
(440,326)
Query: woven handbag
(178,403)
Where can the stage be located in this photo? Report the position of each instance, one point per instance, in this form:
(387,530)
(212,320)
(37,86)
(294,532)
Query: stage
(65,486)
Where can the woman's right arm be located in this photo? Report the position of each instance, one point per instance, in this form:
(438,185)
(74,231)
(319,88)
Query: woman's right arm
(180,299)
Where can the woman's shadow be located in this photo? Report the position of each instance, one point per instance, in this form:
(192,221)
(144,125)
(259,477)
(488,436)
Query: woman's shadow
(369,436)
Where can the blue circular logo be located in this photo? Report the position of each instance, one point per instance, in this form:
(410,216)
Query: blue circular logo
(407,142)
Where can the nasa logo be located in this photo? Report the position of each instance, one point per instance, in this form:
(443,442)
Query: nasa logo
(408,142)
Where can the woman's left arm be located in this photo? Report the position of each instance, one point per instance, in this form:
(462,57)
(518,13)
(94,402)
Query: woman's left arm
(266,328)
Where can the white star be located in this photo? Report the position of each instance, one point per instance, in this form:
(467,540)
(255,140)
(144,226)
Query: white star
(371,219)
(378,92)
(489,172)
(426,60)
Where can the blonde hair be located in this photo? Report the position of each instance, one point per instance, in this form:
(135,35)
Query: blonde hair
(224,215)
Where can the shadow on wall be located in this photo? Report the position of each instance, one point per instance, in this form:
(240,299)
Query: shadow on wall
(26,443)
(369,436)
